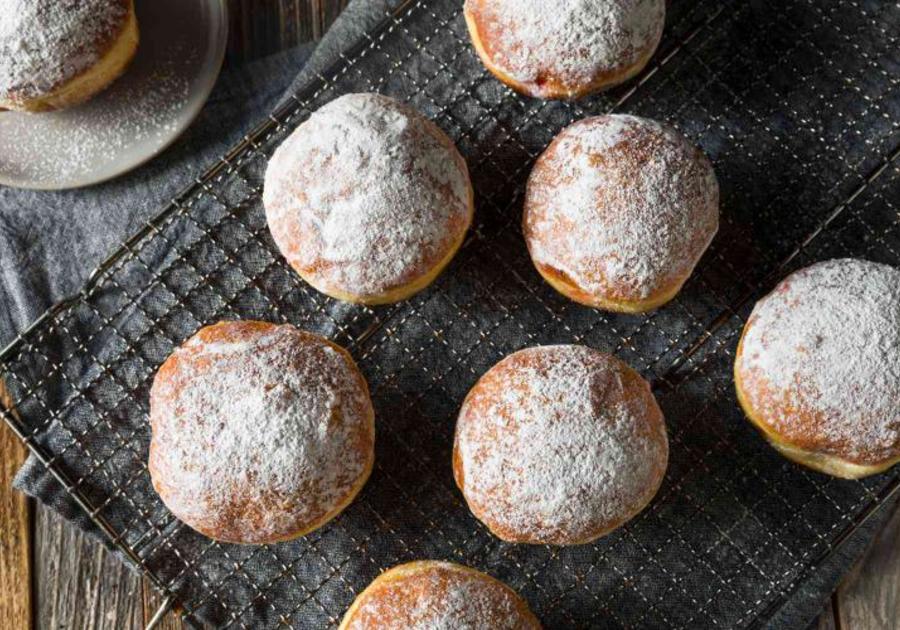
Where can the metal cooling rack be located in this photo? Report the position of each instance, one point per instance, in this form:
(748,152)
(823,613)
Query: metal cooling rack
(798,104)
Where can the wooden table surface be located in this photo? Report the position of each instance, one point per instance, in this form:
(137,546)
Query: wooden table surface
(53,576)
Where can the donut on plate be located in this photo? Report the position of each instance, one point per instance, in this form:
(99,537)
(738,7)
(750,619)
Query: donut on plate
(619,211)
(430,595)
(59,53)
(567,48)
(261,433)
(818,367)
(559,445)
(368,200)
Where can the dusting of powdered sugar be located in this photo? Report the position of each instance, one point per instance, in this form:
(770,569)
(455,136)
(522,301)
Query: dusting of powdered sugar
(826,342)
(366,195)
(571,40)
(44,43)
(136,117)
(621,205)
(441,597)
(559,443)
(257,431)
(139,113)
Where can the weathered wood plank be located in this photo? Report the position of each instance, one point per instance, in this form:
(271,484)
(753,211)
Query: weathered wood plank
(328,11)
(152,600)
(869,599)
(79,583)
(261,27)
(15,536)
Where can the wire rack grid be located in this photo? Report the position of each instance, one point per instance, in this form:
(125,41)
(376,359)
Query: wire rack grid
(798,105)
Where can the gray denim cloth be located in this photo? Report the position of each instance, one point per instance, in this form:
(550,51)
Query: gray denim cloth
(50,242)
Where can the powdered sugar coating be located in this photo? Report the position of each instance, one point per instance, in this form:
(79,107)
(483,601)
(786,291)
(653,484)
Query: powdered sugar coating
(572,42)
(559,445)
(259,431)
(438,596)
(367,196)
(622,207)
(820,360)
(45,43)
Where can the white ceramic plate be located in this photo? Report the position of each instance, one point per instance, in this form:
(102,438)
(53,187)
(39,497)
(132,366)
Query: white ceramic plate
(162,91)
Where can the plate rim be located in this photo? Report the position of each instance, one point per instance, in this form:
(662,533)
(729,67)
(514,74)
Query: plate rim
(219,47)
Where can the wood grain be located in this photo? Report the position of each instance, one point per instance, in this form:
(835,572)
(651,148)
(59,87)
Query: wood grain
(79,583)
(262,27)
(15,536)
(152,600)
(869,599)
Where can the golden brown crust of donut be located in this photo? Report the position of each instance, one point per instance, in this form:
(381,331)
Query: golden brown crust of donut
(114,51)
(240,521)
(495,385)
(804,446)
(615,299)
(404,586)
(484,38)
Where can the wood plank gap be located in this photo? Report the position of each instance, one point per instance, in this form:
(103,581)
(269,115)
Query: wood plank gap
(836,610)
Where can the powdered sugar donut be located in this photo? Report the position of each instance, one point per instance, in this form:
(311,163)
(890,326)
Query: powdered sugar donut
(261,433)
(619,211)
(568,48)
(368,200)
(58,53)
(818,367)
(431,595)
(559,445)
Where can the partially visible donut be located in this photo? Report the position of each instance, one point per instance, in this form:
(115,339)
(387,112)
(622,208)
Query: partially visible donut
(59,53)
(619,211)
(261,433)
(429,595)
(368,200)
(818,367)
(559,445)
(567,48)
